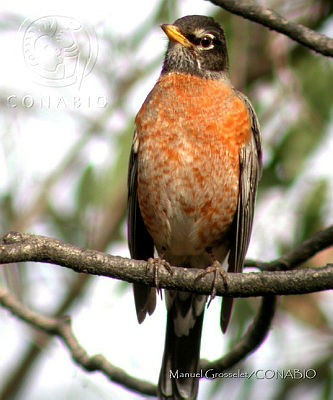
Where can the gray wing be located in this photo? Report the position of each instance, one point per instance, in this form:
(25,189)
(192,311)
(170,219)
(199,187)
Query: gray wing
(140,242)
(250,160)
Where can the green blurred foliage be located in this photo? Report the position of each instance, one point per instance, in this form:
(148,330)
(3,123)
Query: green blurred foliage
(312,210)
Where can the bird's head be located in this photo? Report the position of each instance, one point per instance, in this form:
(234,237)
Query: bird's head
(197,46)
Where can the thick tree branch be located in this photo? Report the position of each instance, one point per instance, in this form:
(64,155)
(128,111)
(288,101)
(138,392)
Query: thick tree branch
(18,247)
(264,16)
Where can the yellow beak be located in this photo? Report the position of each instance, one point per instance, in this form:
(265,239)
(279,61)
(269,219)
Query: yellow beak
(173,33)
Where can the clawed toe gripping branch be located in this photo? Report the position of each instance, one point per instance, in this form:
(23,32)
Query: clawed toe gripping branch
(217,270)
(155,264)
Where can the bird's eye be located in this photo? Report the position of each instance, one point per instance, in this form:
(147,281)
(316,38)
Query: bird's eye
(206,42)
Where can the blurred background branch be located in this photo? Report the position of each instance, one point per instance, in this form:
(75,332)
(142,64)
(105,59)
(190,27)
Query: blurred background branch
(299,254)
(269,18)
(61,328)
(252,339)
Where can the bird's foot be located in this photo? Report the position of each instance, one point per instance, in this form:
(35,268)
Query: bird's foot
(217,270)
(155,264)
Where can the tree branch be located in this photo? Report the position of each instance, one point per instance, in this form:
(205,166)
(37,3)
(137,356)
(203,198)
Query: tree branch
(264,16)
(61,327)
(12,386)
(319,241)
(19,247)
(16,247)
(252,339)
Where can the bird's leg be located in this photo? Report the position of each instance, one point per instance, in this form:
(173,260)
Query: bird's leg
(155,264)
(216,268)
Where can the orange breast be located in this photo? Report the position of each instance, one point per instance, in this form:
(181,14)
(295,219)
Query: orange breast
(190,132)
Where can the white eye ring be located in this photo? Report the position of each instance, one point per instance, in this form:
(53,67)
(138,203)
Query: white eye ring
(210,38)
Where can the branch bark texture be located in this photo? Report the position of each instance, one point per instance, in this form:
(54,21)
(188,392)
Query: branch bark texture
(269,18)
(17,247)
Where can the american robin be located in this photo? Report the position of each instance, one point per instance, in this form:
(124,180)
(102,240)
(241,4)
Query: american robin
(194,168)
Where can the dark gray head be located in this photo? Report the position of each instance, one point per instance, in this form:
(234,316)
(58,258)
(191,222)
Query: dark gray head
(197,46)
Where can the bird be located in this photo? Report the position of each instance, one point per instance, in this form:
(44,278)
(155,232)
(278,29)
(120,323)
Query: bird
(194,168)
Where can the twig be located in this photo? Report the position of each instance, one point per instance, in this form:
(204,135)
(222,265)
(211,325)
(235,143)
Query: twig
(11,387)
(319,241)
(264,16)
(252,339)
(61,327)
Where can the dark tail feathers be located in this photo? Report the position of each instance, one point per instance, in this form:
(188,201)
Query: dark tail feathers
(181,355)
(226,310)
